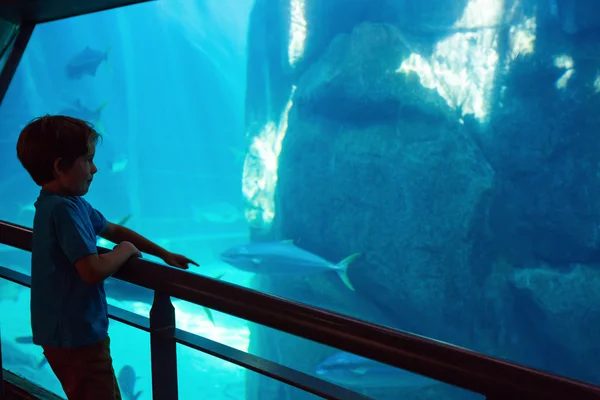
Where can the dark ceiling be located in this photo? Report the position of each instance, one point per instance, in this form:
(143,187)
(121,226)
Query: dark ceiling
(49,10)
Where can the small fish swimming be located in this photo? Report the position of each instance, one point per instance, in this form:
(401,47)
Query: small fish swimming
(26,208)
(85,62)
(217,213)
(353,371)
(124,220)
(284,258)
(553,5)
(24,339)
(127,378)
(29,340)
(77,110)
(118,164)
(206,309)
(101,242)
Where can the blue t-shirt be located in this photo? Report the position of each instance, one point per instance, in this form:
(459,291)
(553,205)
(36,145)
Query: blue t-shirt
(65,311)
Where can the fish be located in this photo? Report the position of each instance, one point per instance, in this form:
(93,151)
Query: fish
(553,5)
(127,378)
(86,62)
(217,213)
(29,340)
(119,164)
(124,220)
(101,242)
(125,291)
(350,370)
(284,258)
(23,208)
(206,309)
(77,110)
(24,339)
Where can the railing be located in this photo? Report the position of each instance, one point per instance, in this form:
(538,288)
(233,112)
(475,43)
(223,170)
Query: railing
(495,379)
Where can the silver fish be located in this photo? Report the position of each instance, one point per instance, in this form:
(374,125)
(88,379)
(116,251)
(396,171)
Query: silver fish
(284,258)
(350,370)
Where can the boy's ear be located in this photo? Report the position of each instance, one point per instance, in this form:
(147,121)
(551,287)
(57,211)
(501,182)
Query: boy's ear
(59,166)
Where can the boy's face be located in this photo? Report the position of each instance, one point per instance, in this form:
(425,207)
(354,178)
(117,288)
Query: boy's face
(76,181)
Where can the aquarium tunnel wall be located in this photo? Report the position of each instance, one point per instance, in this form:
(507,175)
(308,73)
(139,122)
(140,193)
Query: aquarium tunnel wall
(430,166)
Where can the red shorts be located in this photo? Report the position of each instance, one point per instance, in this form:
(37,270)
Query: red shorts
(85,373)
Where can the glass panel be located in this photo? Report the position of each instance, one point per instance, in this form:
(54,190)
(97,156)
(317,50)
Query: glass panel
(375,380)
(130,351)
(436,170)
(223,380)
(196,83)
(15,259)
(19,354)
(454,147)
(381,381)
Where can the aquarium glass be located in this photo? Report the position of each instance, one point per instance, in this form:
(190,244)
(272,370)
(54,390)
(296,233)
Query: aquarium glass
(429,166)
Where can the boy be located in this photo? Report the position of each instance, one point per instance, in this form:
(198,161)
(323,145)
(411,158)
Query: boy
(68,303)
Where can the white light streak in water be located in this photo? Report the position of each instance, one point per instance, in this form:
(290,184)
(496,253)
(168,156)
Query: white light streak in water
(260,169)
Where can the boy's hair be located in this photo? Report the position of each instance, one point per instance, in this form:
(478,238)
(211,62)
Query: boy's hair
(47,138)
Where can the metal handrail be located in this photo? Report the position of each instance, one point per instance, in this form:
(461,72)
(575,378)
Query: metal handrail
(230,354)
(444,362)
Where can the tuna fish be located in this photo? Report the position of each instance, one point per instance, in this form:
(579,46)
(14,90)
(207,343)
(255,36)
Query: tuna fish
(353,371)
(85,62)
(284,258)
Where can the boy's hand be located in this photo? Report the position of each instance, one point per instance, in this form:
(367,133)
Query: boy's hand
(130,248)
(177,260)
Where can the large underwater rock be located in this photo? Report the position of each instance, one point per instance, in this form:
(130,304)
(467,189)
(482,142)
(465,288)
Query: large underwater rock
(404,191)
(570,315)
(542,141)
(403,188)
(356,80)
(405,196)
(452,221)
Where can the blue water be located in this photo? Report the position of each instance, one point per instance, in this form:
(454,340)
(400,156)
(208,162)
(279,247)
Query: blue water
(452,144)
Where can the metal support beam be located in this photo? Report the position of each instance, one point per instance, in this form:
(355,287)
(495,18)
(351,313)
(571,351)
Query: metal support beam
(40,11)
(14,58)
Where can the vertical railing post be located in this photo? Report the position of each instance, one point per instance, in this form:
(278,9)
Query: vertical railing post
(163,349)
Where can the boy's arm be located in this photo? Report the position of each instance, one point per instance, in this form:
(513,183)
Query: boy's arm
(117,234)
(78,244)
(95,268)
